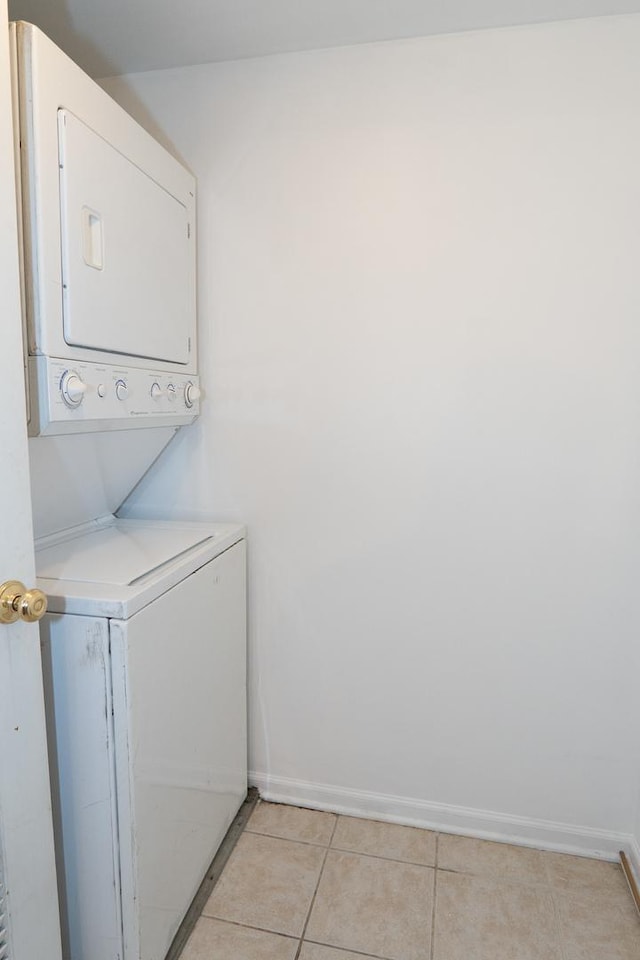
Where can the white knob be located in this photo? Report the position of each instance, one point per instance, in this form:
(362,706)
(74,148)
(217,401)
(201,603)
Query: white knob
(171,392)
(156,391)
(122,390)
(191,394)
(73,389)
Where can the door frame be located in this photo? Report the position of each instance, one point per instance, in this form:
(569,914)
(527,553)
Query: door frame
(27,859)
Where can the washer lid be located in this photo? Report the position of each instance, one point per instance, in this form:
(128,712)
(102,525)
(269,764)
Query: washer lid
(120,554)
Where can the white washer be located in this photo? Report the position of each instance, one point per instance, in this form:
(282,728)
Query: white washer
(144,655)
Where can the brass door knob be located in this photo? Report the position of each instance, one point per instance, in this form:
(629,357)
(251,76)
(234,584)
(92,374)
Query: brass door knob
(18,603)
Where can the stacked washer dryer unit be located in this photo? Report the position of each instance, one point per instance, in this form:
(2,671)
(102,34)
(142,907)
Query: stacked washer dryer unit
(144,644)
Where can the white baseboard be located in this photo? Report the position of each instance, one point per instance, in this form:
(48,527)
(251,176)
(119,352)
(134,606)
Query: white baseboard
(543,834)
(632,850)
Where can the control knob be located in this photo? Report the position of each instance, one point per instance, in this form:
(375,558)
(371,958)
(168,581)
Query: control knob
(72,388)
(156,391)
(122,390)
(171,393)
(191,394)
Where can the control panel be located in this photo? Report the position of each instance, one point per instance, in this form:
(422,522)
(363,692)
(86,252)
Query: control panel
(76,397)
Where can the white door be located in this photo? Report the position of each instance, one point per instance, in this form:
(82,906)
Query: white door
(30,903)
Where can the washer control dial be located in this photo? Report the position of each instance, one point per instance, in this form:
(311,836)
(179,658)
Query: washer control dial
(171,392)
(72,388)
(191,394)
(122,390)
(156,391)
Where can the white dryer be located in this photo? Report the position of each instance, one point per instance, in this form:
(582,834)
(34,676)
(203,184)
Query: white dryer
(144,664)
(108,221)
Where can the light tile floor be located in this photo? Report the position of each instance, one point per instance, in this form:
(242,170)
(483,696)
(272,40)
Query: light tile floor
(305,885)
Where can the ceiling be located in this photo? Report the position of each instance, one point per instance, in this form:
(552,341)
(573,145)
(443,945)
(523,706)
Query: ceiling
(124,36)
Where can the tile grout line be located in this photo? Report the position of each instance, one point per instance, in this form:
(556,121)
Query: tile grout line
(249,926)
(351,952)
(516,881)
(558,921)
(497,878)
(315,892)
(277,836)
(380,856)
(435,893)
(359,853)
(556,908)
(288,936)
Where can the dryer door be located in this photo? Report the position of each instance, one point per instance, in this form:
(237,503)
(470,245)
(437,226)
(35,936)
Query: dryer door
(125,252)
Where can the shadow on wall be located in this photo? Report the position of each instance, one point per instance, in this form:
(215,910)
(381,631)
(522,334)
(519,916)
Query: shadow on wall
(61,23)
(136,107)
(57,20)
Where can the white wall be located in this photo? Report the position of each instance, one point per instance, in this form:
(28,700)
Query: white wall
(635,846)
(420,334)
